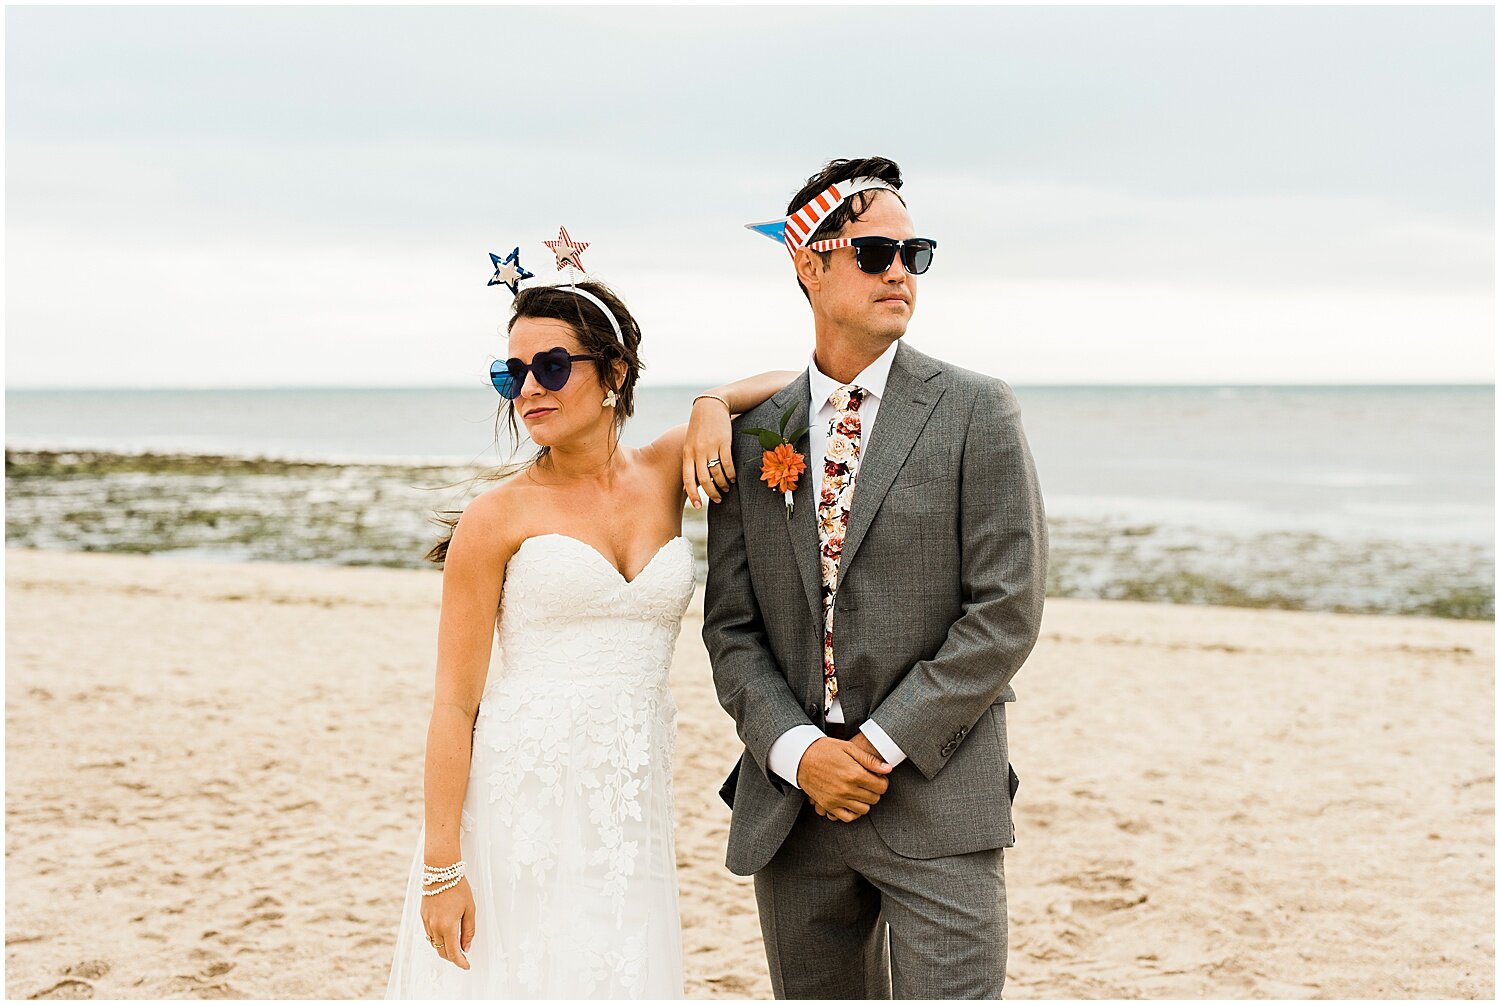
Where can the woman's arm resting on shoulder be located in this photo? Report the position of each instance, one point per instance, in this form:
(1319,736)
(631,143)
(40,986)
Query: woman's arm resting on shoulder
(709,433)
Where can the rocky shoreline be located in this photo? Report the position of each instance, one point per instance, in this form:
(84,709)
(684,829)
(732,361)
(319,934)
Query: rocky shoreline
(226,508)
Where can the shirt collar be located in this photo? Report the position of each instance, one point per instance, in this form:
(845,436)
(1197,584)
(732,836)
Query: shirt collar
(872,378)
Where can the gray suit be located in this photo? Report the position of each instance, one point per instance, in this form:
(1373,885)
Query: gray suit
(939,603)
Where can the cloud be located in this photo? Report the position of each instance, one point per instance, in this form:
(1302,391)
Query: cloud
(209,196)
(400,315)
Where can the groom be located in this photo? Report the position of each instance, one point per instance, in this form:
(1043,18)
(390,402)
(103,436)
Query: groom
(865,643)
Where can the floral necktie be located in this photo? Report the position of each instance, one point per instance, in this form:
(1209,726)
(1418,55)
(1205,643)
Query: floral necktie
(840,465)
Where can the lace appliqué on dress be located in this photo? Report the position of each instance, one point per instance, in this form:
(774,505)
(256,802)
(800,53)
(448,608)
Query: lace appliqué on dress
(567,823)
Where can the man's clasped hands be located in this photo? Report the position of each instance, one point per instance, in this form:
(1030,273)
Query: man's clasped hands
(843,778)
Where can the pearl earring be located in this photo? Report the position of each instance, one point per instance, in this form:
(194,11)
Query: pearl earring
(610,399)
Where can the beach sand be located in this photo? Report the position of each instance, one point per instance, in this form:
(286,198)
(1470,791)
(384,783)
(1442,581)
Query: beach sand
(213,789)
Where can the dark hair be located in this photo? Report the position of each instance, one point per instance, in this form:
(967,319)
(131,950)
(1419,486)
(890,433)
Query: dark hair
(596,337)
(850,209)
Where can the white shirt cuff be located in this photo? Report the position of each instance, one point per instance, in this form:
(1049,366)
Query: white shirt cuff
(785,755)
(892,754)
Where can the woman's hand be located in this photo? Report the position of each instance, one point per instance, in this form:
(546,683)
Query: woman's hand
(709,436)
(448,918)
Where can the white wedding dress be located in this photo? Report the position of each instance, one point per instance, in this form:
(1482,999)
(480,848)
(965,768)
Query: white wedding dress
(567,823)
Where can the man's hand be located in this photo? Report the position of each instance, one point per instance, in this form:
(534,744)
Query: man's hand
(842,779)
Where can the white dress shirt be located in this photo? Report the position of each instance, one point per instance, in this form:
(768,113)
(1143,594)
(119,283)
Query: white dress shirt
(785,755)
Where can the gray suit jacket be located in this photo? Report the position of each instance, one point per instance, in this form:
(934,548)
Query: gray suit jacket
(939,603)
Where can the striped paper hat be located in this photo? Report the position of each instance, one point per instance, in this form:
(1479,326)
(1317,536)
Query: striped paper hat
(796,230)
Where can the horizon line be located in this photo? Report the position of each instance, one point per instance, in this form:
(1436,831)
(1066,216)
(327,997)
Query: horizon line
(114,389)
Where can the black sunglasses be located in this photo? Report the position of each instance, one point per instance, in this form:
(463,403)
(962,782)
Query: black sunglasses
(875,254)
(551,368)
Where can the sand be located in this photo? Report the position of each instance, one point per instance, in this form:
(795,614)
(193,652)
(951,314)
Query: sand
(213,786)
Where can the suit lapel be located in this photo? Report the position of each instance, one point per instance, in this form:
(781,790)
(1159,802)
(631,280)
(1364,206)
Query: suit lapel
(803,526)
(904,409)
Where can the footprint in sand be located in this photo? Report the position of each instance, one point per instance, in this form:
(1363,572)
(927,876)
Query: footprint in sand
(194,987)
(733,984)
(1098,880)
(272,917)
(1094,906)
(66,989)
(1247,924)
(1111,890)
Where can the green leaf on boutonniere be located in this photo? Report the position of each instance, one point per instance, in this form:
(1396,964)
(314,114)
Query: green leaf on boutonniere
(768,440)
(771,439)
(781,465)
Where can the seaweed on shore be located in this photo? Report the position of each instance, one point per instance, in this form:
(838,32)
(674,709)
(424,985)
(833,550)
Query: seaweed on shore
(264,509)
(94,463)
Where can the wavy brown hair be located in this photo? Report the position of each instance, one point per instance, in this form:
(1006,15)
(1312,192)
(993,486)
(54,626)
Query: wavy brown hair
(596,338)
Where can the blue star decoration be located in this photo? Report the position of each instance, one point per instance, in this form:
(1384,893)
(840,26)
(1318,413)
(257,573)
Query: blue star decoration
(508,270)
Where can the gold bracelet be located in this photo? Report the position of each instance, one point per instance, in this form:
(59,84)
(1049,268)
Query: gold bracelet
(716,398)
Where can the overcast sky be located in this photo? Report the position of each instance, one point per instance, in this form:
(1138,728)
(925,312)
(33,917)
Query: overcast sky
(280,196)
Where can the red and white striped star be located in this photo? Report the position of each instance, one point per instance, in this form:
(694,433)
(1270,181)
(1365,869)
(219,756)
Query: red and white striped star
(567,250)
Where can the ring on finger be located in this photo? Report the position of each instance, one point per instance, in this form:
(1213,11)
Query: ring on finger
(713,462)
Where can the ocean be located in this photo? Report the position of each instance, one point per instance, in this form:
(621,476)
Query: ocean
(1340,498)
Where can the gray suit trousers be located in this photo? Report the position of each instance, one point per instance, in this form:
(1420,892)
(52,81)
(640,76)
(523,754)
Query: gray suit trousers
(844,916)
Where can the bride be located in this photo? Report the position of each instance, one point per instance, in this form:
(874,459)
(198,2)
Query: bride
(546,865)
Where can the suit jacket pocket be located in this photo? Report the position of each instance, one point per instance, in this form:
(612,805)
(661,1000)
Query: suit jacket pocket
(727,790)
(923,476)
(997,719)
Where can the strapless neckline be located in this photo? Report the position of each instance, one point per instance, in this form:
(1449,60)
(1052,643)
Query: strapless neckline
(602,557)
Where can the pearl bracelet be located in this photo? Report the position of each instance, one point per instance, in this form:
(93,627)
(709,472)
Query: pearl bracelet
(433,874)
(446,886)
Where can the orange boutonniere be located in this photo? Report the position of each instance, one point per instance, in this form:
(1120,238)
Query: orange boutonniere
(781,465)
(779,468)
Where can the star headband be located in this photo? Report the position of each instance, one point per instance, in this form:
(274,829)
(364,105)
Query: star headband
(794,231)
(568,252)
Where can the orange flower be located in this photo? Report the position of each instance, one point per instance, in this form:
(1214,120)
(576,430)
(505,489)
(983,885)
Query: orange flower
(779,468)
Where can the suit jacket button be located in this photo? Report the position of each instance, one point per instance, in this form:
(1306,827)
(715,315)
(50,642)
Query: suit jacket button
(812,711)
